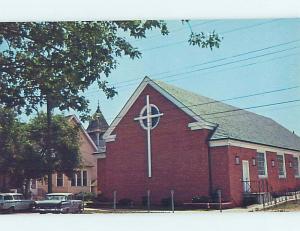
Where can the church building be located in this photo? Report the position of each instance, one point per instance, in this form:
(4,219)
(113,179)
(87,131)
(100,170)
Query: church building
(166,138)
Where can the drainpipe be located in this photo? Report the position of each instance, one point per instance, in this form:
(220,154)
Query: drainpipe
(209,162)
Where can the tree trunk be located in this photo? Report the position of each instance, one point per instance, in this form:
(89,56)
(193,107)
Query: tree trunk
(26,189)
(49,143)
(50,182)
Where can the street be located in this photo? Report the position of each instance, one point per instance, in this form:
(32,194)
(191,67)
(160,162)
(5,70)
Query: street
(136,221)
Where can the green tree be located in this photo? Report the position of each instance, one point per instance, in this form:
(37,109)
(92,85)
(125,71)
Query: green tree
(65,153)
(8,142)
(53,63)
(19,160)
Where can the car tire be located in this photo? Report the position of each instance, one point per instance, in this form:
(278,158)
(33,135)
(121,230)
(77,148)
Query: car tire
(11,210)
(66,211)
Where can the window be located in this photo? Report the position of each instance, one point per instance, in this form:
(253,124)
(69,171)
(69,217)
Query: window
(8,198)
(33,184)
(59,179)
(73,179)
(79,178)
(281,166)
(84,178)
(78,175)
(154,111)
(296,166)
(18,197)
(261,164)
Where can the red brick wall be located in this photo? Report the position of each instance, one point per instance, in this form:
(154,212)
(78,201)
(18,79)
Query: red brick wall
(179,156)
(219,169)
(277,184)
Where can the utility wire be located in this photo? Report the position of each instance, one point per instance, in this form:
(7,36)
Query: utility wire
(208,62)
(224,32)
(222,112)
(241,66)
(232,98)
(219,65)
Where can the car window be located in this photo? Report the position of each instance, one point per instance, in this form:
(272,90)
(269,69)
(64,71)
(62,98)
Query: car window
(8,197)
(1,197)
(56,197)
(18,197)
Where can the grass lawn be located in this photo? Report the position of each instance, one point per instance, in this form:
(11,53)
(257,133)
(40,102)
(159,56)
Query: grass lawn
(290,206)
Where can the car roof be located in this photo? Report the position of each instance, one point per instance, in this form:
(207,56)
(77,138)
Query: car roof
(59,194)
(11,194)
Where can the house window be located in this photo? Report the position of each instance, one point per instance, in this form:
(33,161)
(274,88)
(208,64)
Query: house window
(281,166)
(59,179)
(73,179)
(84,178)
(261,164)
(79,178)
(296,166)
(78,175)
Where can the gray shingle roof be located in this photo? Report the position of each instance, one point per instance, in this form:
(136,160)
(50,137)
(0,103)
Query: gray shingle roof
(238,124)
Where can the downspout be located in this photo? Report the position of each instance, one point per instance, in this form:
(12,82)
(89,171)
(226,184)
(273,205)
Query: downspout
(210,181)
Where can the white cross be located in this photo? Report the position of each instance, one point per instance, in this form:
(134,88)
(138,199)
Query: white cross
(149,118)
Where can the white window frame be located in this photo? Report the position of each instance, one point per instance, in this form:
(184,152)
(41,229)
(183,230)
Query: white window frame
(76,179)
(284,166)
(298,160)
(265,164)
(63,183)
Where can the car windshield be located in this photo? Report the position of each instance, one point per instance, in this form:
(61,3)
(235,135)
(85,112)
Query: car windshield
(56,197)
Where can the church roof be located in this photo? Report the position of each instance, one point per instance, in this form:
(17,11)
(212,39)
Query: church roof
(233,122)
(98,122)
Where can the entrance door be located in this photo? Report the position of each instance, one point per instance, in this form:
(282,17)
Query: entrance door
(246,176)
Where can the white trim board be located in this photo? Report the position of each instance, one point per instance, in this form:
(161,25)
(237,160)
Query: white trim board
(258,147)
(199,124)
(84,131)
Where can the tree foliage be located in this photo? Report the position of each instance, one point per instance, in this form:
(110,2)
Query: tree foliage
(65,154)
(23,147)
(54,62)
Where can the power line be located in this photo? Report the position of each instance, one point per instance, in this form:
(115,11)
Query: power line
(241,66)
(223,112)
(224,32)
(179,29)
(234,98)
(208,62)
(219,65)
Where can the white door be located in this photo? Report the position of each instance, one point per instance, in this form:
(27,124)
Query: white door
(246,176)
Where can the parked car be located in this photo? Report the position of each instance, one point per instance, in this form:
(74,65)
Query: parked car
(59,203)
(11,202)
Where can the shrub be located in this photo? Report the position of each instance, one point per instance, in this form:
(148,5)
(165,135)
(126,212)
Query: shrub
(144,201)
(201,199)
(249,200)
(86,196)
(166,202)
(101,198)
(125,202)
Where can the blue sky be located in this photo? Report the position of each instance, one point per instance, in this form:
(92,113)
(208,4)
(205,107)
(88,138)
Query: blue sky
(266,70)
